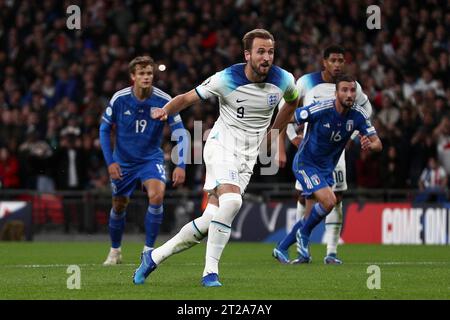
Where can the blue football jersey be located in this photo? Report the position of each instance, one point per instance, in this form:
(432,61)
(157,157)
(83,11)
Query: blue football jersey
(328,132)
(138,136)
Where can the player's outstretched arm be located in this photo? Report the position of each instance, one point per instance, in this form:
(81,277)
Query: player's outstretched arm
(175,105)
(291,132)
(281,121)
(282,158)
(284,116)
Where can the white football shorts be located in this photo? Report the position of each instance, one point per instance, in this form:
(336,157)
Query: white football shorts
(224,166)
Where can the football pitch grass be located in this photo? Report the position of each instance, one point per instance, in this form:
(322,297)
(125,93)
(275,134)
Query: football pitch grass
(38,270)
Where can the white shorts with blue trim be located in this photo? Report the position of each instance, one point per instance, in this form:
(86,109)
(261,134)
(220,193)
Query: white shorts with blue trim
(224,166)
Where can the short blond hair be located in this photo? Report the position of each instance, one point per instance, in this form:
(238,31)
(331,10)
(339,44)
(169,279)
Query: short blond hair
(142,61)
(248,38)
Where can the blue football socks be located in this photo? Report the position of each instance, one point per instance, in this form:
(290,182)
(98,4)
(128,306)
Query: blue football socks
(116,227)
(290,238)
(316,215)
(153,220)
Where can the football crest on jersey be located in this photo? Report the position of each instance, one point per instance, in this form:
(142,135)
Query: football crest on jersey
(272,99)
(349,125)
(315,179)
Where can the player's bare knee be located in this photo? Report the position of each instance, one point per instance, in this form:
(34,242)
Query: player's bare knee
(328,205)
(155,197)
(213,199)
(329,202)
(120,204)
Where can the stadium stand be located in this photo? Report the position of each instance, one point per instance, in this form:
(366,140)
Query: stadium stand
(56,82)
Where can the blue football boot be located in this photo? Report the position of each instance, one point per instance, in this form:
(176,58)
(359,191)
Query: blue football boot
(145,268)
(302,248)
(211,280)
(332,259)
(281,255)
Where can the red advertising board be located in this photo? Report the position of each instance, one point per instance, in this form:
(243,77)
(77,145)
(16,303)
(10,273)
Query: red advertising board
(397,223)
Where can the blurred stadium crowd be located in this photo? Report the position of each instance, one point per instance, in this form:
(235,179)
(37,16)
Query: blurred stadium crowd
(56,82)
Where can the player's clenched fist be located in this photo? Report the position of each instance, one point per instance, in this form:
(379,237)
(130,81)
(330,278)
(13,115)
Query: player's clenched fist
(159,114)
(114,171)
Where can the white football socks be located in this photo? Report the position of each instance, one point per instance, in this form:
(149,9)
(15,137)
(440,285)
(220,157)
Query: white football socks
(189,235)
(300,211)
(220,230)
(333,227)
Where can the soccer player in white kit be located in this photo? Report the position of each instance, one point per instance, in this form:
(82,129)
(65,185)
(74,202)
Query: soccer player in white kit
(248,94)
(319,86)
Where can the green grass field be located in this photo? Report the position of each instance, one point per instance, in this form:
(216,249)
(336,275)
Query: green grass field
(38,271)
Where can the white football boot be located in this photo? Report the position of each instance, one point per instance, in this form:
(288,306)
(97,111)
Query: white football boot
(114,257)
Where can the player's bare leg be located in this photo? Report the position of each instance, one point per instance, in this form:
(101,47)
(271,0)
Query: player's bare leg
(230,201)
(116,227)
(333,227)
(153,218)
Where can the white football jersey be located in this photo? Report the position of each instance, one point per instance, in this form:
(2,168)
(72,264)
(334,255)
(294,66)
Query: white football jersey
(246,108)
(312,88)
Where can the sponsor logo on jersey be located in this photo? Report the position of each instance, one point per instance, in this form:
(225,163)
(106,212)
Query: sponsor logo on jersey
(127,113)
(326,125)
(109,111)
(239,101)
(349,125)
(272,99)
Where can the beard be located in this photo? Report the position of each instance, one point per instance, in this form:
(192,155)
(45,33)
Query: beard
(257,69)
(347,103)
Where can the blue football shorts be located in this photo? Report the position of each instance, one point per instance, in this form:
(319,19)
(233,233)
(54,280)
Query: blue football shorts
(133,173)
(312,179)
